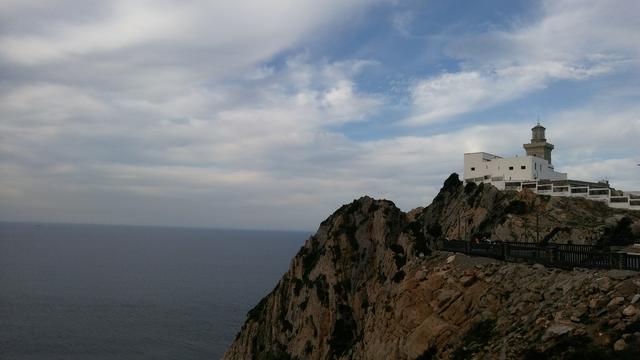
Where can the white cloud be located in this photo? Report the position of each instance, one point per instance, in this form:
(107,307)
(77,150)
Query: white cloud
(439,98)
(621,173)
(596,133)
(291,174)
(47,104)
(572,41)
(185,120)
(402,22)
(242,31)
(263,140)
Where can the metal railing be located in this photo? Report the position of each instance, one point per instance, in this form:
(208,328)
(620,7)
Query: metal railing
(563,256)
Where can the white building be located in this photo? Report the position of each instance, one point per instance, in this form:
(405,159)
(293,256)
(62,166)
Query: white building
(535,172)
(536,164)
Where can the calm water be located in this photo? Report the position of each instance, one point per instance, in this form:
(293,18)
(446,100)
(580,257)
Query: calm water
(119,292)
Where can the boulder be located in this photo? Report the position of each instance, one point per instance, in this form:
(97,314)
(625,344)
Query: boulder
(615,301)
(557,329)
(445,297)
(629,311)
(421,275)
(467,280)
(598,302)
(619,345)
(603,284)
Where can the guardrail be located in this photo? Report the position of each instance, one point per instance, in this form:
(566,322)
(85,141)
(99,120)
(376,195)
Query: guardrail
(562,256)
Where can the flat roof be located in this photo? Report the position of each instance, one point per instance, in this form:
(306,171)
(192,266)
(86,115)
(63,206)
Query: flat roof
(483,153)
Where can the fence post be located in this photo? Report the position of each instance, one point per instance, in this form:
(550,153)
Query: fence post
(467,247)
(611,262)
(622,261)
(502,250)
(547,255)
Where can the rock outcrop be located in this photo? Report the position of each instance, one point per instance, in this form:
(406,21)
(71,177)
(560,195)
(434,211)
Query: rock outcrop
(368,285)
(465,212)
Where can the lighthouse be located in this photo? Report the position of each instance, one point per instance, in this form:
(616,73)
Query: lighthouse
(539,146)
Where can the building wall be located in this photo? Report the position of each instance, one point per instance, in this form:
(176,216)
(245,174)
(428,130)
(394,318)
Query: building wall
(478,165)
(515,168)
(488,167)
(543,170)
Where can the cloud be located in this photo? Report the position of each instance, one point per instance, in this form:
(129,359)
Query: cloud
(597,143)
(439,98)
(402,22)
(572,40)
(237,31)
(621,173)
(47,104)
(214,114)
(256,141)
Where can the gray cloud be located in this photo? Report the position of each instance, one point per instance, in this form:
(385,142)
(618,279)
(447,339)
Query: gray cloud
(170,113)
(149,112)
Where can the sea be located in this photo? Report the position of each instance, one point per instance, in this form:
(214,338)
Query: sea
(132,292)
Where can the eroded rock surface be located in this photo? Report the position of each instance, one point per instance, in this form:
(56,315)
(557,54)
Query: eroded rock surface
(368,286)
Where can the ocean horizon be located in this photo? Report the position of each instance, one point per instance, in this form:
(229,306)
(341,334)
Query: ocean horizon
(87,291)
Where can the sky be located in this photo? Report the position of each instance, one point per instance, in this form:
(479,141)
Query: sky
(271,114)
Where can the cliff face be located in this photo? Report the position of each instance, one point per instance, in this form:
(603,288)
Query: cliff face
(465,212)
(367,286)
(322,306)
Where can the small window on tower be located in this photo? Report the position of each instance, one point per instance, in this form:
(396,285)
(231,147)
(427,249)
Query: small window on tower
(523,167)
(510,167)
(473,169)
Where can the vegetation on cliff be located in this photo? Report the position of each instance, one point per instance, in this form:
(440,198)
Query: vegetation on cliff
(367,285)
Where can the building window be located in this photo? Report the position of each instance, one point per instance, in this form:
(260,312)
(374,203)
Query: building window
(473,169)
(510,167)
(523,167)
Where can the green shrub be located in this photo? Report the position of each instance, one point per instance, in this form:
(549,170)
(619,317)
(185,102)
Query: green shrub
(381,277)
(310,258)
(428,354)
(621,234)
(297,286)
(574,348)
(342,287)
(400,260)
(308,348)
(322,289)
(470,188)
(398,276)
(478,336)
(434,230)
(343,336)
(517,207)
(256,313)
(397,248)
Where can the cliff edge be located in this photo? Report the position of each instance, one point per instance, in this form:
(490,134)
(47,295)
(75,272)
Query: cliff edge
(368,285)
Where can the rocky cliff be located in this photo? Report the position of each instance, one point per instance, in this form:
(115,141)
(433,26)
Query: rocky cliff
(465,212)
(368,286)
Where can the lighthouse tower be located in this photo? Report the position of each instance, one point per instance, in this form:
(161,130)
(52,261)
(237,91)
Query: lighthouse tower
(538,146)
